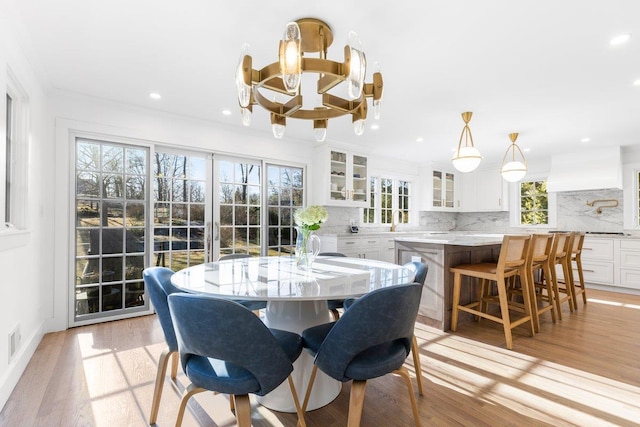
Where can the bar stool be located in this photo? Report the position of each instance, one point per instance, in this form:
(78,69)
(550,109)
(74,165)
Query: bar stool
(561,255)
(577,288)
(511,262)
(542,294)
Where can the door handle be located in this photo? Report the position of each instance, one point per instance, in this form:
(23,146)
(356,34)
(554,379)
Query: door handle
(217,235)
(209,243)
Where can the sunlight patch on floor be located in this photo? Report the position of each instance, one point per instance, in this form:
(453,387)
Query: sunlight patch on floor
(522,383)
(615,303)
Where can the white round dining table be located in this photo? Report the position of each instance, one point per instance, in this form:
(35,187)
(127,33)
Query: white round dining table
(296,300)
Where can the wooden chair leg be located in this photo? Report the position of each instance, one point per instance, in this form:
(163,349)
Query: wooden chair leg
(417,366)
(583,289)
(296,402)
(504,312)
(189,391)
(243,410)
(456,300)
(157,391)
(568,280)
(174,365)
(556,290)
(529,308)
(356,403)
(546,274)
(314,371)
(414,405)
(335,314)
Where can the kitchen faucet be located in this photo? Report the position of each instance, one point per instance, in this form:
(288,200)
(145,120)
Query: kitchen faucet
(393,218)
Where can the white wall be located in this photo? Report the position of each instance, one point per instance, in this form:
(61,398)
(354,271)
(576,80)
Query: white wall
(26,258)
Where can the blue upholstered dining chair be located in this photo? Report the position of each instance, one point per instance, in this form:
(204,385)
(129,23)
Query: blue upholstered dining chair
(334,304)
(159,287)
(372,338)
(225,348)
(420,270)
(250,304)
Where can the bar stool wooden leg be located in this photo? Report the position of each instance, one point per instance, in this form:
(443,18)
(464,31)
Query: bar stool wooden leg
(457,278)
(504,311)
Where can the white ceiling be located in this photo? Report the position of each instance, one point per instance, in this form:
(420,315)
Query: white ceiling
(543,68)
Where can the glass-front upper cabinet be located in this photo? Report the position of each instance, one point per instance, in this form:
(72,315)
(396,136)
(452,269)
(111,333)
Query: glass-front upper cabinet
(443,189)
(341,178)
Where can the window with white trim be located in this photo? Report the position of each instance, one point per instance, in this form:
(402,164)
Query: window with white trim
(386,196)
(7,182)
(13,159)
(534,203)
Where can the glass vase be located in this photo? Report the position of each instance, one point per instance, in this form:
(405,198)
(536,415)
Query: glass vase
(307,248)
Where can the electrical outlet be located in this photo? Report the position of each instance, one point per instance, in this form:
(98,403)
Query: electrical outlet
(14,342)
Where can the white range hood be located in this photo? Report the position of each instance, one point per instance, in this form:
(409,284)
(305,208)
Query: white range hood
(593,169)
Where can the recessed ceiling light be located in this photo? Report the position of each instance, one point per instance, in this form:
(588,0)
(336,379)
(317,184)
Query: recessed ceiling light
(620,39)
(526,150)
(154,95)
(419,139)
(375,126)
(585,140)
(226,112)
(636,83)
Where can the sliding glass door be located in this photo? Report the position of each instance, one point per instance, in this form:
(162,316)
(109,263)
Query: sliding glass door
(110,229)
(136,207)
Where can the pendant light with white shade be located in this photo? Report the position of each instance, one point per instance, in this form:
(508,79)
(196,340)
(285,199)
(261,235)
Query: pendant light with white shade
(467,157)
(513,170)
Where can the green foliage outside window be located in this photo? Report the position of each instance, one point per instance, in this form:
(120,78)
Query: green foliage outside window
(534,203)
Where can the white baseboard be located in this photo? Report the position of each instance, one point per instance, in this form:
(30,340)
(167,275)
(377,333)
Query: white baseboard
(19,364)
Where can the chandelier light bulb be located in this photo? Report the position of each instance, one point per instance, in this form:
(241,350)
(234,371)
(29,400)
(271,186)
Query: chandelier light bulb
(278,130)
(246,116)
(291,57)
(244,90)
(358,127)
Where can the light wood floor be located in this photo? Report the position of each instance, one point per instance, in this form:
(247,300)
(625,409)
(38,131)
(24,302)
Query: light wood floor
(582,371)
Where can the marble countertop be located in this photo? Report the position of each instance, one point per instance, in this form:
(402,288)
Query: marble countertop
(462,238)
(456,239)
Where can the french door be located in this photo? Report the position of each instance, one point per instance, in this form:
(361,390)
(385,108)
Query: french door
(136,207)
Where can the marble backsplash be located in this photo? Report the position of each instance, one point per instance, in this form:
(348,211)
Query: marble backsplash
(573,213)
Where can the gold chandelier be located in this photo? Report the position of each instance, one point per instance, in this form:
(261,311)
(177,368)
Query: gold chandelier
(309,35)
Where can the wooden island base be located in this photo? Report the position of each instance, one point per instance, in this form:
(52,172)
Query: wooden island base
(439,255)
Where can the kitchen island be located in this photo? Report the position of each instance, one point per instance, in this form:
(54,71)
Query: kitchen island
(440,251)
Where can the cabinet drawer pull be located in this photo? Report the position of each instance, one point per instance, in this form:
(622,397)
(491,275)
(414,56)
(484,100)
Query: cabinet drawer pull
(349,243)
(584,270)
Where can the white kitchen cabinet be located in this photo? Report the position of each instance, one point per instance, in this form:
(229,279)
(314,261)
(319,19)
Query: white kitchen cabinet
(380,247)
(598,264)
(388,249)
(484,191)
(630,264)
(341,178)
(360,247)
(442,189)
